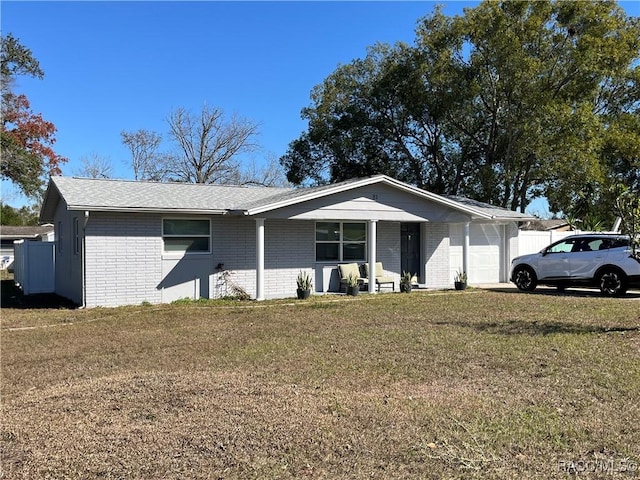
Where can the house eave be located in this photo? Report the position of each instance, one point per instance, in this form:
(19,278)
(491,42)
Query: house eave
(47,210)
(180,211)
(516,219)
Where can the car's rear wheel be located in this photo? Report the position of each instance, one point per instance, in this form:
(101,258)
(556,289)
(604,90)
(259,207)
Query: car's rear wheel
(525,279)
(612,282)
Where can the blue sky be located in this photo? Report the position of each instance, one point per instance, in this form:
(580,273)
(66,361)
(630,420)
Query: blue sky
(113,66)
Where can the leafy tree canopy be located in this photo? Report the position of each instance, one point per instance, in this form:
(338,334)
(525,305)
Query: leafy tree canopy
(26,139)
(510,101)
(23,216)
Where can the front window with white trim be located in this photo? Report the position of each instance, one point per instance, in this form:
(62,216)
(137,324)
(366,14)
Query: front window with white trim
(341,241)
(180,235)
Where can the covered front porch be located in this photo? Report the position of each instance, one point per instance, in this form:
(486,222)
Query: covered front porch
(432,252)
(405,228)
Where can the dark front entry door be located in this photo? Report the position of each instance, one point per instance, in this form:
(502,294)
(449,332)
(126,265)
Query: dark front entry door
(410,248)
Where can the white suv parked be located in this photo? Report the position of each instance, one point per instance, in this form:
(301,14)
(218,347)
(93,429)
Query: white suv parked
(588,260)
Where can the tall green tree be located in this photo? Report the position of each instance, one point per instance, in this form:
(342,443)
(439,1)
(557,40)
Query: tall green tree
(23,216)
(26,139)
(509,101)
(382,114)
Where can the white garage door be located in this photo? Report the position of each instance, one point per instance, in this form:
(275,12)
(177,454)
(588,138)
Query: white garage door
(486,247)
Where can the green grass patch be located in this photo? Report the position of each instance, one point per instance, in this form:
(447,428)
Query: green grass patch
(475,384)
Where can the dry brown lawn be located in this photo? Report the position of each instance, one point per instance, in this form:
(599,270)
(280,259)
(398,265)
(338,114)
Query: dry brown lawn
(474,384)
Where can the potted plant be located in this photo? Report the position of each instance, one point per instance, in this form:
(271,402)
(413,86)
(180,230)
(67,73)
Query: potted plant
(353,285)
(304,285)
(460,280)
(405,282)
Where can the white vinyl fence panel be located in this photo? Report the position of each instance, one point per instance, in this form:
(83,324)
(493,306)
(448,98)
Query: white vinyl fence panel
(530,241)
(34,265)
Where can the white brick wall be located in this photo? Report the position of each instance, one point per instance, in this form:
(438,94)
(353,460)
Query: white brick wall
(125,263)
(289,248)
(234,245)
(123,259)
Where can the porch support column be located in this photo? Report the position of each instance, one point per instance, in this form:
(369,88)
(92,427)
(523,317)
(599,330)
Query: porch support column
(465,249)
(259,258)
(373,239)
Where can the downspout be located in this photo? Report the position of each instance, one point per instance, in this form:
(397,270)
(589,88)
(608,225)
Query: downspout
(84,259)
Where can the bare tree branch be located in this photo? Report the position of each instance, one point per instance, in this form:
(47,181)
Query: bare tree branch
(208,145)
(270,175)
(147,164)
(95,166)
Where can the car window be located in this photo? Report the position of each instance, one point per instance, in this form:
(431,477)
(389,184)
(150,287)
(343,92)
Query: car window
(590,245)
(562,247)
(619,242)
(597,244)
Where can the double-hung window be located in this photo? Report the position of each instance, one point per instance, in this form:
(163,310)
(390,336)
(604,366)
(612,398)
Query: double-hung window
(181,235)
(341,241)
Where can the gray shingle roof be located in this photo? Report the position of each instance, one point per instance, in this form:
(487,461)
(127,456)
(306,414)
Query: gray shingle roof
(294,193)
(125,195)
(128,195)
(497,212)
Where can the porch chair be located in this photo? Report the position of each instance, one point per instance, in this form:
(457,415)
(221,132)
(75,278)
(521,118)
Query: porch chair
(347,269)
(381,278)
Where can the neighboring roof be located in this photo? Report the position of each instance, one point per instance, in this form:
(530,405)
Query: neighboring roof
(545,225)
(134,196)
(11,232)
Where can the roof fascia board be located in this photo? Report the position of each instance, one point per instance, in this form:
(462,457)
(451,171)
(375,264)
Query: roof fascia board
(517,219)
(47,200)
(93,208)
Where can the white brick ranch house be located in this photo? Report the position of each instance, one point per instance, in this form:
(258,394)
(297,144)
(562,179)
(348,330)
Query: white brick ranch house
(125,242)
